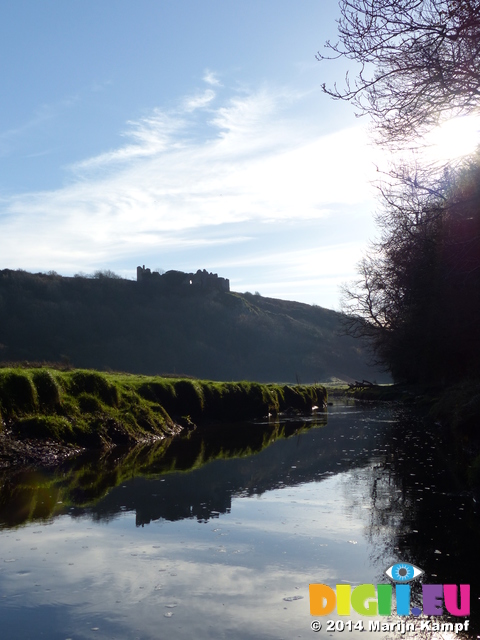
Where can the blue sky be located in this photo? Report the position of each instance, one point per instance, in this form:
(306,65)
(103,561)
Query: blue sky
(181,134)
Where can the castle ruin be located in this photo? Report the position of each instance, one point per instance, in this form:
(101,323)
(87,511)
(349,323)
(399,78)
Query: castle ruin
(174,279)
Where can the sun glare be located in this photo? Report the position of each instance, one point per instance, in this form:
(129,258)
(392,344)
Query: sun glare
(453,139)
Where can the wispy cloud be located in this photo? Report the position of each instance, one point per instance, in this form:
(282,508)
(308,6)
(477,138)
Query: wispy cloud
(211,78)
(152,135)
(198,101)
(181,174)
(43,114)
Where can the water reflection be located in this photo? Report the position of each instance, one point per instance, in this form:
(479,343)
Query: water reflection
(220,537)
(193,468)
(419,511)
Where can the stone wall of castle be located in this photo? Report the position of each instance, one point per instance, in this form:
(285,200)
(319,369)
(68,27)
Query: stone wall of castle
(202,279)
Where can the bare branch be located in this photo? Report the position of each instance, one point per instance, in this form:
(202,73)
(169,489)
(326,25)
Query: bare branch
(417,290)
(419,61)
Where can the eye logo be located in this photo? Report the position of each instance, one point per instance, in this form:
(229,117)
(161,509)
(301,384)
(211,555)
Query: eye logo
(403,572)
(367,600)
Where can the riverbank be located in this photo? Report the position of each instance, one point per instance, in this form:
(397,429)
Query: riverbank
(48,414)
(454,408)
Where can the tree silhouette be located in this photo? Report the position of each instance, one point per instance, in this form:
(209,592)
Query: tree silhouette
(419,62)
(416,297)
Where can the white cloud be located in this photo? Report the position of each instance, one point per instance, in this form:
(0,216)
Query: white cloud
(151,134)
(176,180)
(211,78)
(242,115)
(198,101)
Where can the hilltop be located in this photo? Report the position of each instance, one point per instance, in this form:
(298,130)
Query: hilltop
(109,323)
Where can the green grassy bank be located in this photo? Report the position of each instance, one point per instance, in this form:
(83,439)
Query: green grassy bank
(90,409)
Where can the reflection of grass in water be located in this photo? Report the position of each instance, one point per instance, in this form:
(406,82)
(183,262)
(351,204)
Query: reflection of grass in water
(31,495)
(97,410)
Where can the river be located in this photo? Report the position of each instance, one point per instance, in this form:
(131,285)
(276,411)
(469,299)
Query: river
(195,540)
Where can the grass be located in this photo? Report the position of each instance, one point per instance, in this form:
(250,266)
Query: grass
(96,410)
(382,393)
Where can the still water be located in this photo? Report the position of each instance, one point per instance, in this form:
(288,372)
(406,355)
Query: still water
(220,537)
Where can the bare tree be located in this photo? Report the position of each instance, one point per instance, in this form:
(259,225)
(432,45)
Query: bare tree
(416,297)
(419,62)
(106,273)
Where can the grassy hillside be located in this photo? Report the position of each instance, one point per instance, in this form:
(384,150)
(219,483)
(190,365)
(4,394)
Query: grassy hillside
(122,325)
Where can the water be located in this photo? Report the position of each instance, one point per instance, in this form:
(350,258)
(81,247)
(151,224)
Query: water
(186,541)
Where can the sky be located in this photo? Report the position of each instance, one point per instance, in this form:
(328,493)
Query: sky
(179,134)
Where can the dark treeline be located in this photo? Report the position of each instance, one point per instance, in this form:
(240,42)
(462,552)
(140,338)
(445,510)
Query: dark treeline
(418,297)
(111,323)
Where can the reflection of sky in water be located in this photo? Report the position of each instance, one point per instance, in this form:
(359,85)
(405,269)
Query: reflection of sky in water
(226,577)
(86,577)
